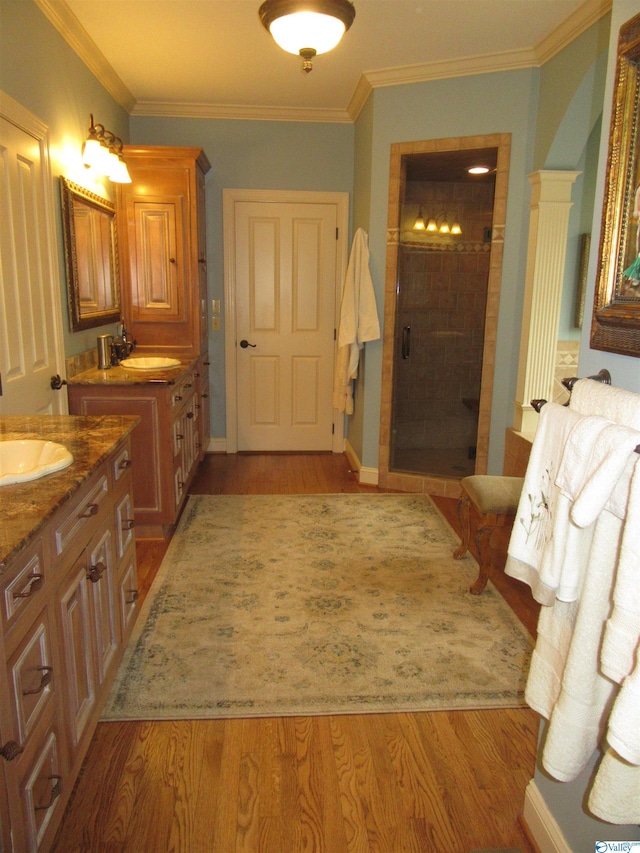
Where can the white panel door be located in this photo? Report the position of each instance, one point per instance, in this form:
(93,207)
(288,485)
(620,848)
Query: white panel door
(285,266)
(30,315)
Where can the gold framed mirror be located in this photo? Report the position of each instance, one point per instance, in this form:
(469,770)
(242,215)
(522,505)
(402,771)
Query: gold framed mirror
(91,256)
(615,325)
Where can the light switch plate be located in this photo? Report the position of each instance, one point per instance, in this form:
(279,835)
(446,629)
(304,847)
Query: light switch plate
(215,306)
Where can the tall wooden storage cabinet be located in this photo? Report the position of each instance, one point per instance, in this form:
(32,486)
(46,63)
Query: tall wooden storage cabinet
(161,238)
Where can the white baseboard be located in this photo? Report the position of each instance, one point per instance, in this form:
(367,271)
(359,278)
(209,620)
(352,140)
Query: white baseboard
(541,824)
(217,445)
(366,476)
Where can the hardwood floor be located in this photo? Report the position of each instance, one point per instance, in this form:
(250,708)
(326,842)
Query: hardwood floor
(440,782)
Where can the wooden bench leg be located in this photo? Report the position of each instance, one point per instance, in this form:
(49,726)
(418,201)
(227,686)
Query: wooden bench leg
(483,543)
(463,517)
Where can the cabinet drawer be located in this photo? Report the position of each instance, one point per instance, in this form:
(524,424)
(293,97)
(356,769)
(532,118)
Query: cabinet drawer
(77,521)
(183,391)
(31,677)
(24,588)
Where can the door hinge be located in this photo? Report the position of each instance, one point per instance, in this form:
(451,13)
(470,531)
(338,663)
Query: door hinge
(337,230)
(335,334)
(333,429)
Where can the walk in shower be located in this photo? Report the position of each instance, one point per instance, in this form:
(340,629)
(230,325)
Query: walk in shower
(443,269)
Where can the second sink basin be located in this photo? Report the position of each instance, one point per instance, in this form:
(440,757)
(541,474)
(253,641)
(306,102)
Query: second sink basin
(27,459)
(150,362)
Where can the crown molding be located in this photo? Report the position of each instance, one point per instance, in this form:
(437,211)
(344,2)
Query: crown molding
(360,97)
(66,23)
(72,31)
(239,111)
(590,12)
(574,25)
(444,69)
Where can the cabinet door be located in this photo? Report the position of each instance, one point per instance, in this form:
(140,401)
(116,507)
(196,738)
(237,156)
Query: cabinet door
(102,580)
(159,279)
(36,785)
(78,649)
(128,589)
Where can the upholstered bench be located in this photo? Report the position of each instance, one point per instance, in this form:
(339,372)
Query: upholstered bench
(495,501)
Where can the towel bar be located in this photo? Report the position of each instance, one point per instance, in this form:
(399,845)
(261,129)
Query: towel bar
(601,376)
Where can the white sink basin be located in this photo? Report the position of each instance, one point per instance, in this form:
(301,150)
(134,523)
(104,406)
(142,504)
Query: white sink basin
(28,459)
(150,362)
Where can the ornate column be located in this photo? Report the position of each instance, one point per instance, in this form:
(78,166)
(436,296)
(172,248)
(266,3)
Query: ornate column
(548,227)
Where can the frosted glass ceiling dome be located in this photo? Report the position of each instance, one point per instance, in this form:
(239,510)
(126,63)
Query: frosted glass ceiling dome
(307,27)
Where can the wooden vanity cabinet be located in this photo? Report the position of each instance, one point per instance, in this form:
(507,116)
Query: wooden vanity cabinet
(63,634)
(161,239)
(167,445)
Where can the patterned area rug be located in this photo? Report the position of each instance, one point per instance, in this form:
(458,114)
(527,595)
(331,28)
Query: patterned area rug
(298,605)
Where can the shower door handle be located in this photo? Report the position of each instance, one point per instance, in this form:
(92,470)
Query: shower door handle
(406,341)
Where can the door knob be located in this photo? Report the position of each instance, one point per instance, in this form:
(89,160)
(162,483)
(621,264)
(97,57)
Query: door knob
(244,344)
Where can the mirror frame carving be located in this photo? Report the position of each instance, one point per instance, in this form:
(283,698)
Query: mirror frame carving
(615,325)
(78,319)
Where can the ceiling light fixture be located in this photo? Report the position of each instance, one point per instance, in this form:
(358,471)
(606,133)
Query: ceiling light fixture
(307,28)
(480,170)
(102,151)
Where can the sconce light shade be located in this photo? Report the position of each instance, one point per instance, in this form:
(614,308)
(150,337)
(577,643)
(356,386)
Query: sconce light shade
(419,225)
(102,151)
(439,224)
(119,174)
(307,27)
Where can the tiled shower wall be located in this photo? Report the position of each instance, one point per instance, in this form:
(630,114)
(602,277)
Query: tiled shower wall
(442,297)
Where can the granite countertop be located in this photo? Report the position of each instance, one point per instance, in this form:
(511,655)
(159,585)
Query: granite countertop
(118,375)
(26,507)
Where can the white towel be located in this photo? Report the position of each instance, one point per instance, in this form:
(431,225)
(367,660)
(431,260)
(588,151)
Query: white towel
(615,795)
(615,446)
(622,633)
(536,516)
(564,559)
(589,397)
(358,321)
(579,716)
(595,456)
(624,723)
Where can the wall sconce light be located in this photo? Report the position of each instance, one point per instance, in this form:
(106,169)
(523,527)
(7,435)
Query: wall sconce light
(419,225)
(102,151)
(307,27)
(440,225)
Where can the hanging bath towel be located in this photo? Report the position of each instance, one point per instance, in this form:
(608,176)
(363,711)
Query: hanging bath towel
(358,321)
